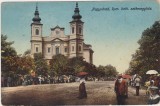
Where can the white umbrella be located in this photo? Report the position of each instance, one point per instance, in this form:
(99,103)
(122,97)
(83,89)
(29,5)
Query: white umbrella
(158,74)
(152,72)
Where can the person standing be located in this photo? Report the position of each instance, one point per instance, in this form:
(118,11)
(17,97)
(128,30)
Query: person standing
(9,81)
(137,84)
(156,81)
(40,79)
(154,98)
(82,89)
(120,90)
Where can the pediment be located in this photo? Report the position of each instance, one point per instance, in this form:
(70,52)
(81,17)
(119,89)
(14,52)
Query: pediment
(57,40)
(57,27)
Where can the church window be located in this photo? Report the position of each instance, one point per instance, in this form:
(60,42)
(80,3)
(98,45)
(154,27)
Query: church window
(49,50)
(72,48)
(57,50)
(36,49)
(80,30)
(72,29)
(80,48)
(37,32)
(65,49)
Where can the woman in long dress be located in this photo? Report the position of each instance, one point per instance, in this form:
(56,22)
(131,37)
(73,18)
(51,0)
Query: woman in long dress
(82,89)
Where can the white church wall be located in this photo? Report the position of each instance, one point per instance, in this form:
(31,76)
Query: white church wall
(86,55)
(47,53)
(57,33)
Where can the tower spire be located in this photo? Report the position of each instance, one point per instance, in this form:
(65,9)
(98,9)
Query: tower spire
(76,4)
(76,15)
(36,18)
(36,6)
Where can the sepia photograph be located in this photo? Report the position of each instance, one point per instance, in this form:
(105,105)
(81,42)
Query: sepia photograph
(80,52)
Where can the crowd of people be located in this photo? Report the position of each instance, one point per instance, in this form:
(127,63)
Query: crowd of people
(18,80)
(152,81)
(152,91)
(120,88)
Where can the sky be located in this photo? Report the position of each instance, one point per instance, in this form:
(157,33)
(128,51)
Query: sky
(113,34)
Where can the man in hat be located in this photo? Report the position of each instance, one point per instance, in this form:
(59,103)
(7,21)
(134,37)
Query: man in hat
(137,84)
(120,90)
(154,98)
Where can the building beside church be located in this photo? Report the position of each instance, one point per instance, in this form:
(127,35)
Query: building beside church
(57,42)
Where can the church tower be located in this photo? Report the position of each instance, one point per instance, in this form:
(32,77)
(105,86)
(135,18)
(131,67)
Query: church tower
(36,33)
(76,32)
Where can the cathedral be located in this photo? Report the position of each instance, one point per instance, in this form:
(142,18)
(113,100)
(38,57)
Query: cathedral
(57,42)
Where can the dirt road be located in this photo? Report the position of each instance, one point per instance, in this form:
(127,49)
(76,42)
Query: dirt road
(99,93)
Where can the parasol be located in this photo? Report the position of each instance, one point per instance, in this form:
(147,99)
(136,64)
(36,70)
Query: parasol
(152,72)
(82,73)
(126,76)
(158,74)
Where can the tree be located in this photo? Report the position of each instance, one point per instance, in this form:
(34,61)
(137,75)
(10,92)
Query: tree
(27,52)
(8,56)
(90,68)
(110,71)
(6,48)
(107,71)
(24,65)
(77,64)
(58,64)
(147,56)
(41,66)
(13,64)
(100,71)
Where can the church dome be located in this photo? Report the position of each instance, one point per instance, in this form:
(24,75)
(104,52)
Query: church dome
(76,15)
(36,16)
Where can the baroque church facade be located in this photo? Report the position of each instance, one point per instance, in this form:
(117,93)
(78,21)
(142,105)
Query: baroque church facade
(57,42)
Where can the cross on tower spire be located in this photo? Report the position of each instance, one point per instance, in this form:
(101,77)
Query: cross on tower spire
(36,18)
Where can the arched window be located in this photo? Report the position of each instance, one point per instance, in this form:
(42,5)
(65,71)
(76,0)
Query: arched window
(37,32)
(72,30)
(65,49)
(80,48)
(57,50)
(80,30)
(49,50)
(72,48)
(36,49)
